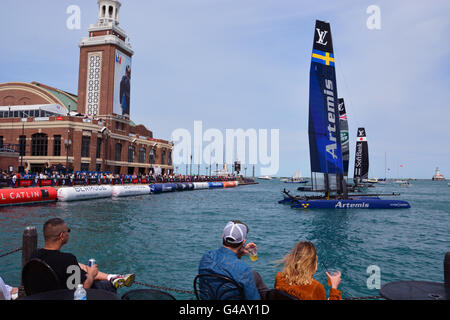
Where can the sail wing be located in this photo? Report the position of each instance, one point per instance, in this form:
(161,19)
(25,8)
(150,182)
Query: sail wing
(324,133)
(345,141)
(361,157)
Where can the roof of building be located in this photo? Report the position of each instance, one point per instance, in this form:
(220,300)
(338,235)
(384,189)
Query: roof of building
(69,100)
(35,93)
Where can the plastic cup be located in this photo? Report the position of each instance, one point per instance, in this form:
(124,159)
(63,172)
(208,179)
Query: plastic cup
(253,254)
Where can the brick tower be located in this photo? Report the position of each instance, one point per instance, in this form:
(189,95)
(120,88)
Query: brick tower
(105,66)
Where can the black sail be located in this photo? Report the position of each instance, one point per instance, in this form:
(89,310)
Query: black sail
(361,172)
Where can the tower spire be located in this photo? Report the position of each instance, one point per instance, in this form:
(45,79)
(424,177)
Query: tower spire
(108,12)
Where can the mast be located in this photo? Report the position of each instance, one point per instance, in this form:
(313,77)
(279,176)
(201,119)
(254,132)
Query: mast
(345,141)
(323,126)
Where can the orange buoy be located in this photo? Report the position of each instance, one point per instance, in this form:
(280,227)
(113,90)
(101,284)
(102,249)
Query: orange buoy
(230,184)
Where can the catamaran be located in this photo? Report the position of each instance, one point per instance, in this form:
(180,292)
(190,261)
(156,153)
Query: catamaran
(325,141)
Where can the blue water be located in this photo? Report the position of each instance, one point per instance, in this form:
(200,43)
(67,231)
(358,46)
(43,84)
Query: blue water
(161,238)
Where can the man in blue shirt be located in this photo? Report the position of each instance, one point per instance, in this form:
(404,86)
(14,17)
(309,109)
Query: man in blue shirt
(226,260)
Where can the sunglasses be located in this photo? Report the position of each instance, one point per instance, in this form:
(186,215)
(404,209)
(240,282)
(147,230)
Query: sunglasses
(68,231)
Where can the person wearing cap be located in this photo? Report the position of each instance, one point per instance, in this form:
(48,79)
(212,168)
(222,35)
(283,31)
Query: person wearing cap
(226,260)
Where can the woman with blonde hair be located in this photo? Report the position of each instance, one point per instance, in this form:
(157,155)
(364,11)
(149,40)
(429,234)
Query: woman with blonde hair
(296,278)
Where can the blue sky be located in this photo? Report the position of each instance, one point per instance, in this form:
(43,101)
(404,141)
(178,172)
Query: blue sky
(245,64)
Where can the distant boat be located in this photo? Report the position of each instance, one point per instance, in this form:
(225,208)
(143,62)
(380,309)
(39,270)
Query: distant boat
(403,183)
(222,172)
(438,176)
(295,179)
(265,178)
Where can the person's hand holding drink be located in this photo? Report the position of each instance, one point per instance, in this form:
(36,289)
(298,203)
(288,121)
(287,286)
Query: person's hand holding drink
(253,254)
(334,278)
(252,250)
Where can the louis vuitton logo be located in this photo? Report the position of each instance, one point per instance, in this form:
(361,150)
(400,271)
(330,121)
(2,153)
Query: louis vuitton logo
(322,35)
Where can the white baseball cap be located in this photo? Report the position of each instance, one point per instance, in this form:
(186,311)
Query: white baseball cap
(235,232)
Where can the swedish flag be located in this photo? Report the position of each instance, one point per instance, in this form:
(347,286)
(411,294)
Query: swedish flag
(322,57)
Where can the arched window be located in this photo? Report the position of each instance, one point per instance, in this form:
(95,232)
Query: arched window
(85,146)
(118,152)
(151,156)
(142,152)
(39,145)
(131,153)
(163,157)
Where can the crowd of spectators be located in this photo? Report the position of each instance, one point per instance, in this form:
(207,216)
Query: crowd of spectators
(59,178)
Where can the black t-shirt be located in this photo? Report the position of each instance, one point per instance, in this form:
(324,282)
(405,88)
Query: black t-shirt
(59,262)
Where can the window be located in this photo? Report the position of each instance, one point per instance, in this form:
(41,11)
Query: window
(39,145)
(99,148)
(84,167)
(151,156)
(22,145)
(142,152)
(131,153)
(57,146)
(1,142)
(169,158)
(163,157)
(85,144)
(118,152)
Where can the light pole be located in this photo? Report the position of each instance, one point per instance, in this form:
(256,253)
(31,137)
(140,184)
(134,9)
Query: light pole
(67,144)
(22,147)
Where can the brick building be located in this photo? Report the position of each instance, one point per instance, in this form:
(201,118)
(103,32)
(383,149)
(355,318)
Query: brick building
(90,131)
